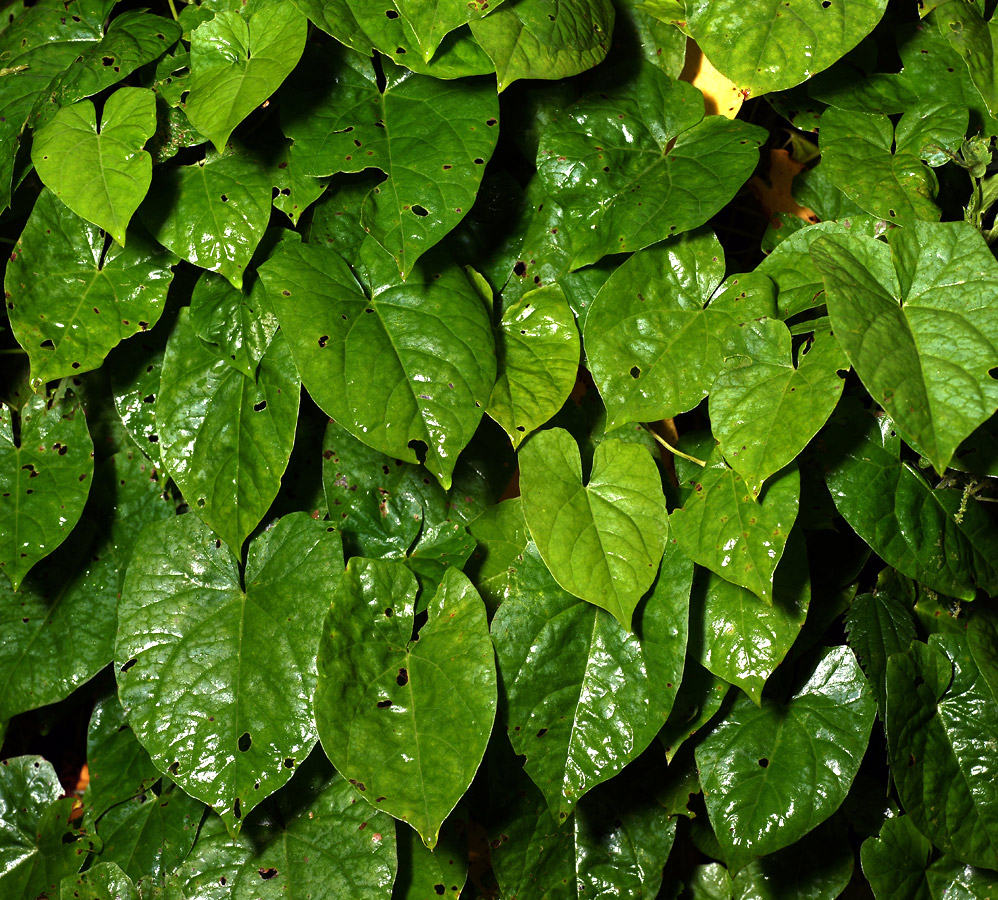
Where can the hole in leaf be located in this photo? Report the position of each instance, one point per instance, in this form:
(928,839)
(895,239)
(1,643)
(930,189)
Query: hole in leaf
(439,888)
(48,345)
(225,199)
(542,732)
(323,340)
(267,873)
(384,704)
(420,448)
(289,763)
(479,161)
(129,664)
(403,678)
(764,763)
(520,268)
(635,371)
(260,407)
(389,613)
(993,372)
(237,809)
(391,14)
(245,742)
(420,211)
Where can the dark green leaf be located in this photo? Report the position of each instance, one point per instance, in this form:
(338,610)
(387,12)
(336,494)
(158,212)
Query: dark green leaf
(878,625)
(83,301)
(700,696)
(895,862)
(406,719)
(982,638)
(422,872)
(963,24)
(192,641)
(941,726)
(116,171)
(417,355)
(770,775)
(602,540)
(226,438)
(45,475)
(585,696)
(100,881)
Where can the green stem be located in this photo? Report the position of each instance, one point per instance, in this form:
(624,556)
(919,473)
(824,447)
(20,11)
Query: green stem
(674,450)
(173,10)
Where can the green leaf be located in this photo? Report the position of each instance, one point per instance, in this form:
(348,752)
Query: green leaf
(216,679)
(652,343)
(364,26)
(771,774)
(895,862)
(238,62)
(226,438)
(60,624)
(422,872)
(602,540)
(584,696)
(100,881)
(941,724)
(764,410)
(766,46)
(973,38)
(877,626)
(70,302)
(312,839)
(949,879)
(431,24)
(343,122)
(982,638)
(915,324)
(910,526)
(116,172)
(545,38)
(745,639)
(878,168)
(410,363)
(37,845)
(738,536)
(213,214)
(296,191)
(406,720)
(700,696)
(45,474)
(538,347)
(617,158)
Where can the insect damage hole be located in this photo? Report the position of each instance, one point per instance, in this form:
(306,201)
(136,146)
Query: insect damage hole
(419,448)
(420,211)
(245,742)
(764,763)
(260,407)
(635,372)
(267,873)
(403,678)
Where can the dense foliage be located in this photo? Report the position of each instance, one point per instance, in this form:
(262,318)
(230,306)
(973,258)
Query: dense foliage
(623,542)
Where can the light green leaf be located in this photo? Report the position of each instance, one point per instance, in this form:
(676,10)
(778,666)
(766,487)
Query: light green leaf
(217,679)
(37,845)
(738,536)
(422,872)
(614,161)
(226,438)
(69,302)
(877,626)
(771,774)
(941,727)
(584,696)
(102,174)
(343,122)
(296,191)
(878,168)
(213,213)
(602,540)
(237,63)
(431,23)
(744,639)
(916,324)
(764,410)
(99,882)
(768,46)
(895,862)
(410,363)
(538,347)
(312,839)
(45,476)
(60,625)
(910,526)
(364,26)
(545,38)
(406,720)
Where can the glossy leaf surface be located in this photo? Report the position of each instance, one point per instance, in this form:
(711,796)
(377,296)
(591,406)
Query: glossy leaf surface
(895,861)
(417,368)
(382,693)
(602,540)
(888,307)
(170,666)
(84,301)
(751,763)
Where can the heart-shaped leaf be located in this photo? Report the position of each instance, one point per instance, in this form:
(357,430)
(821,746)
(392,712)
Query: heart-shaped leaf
(771,774)
(226,438)
(213,213)
(105,879)
(406,719)
(538,347)
(432,23)
(217,679)
(411,363)
(237,62)
(602,541)
(740,537)
(102,174)
(124,290)
(349,124)
(45,476)
(764,410)
(895,861)
(604,692)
